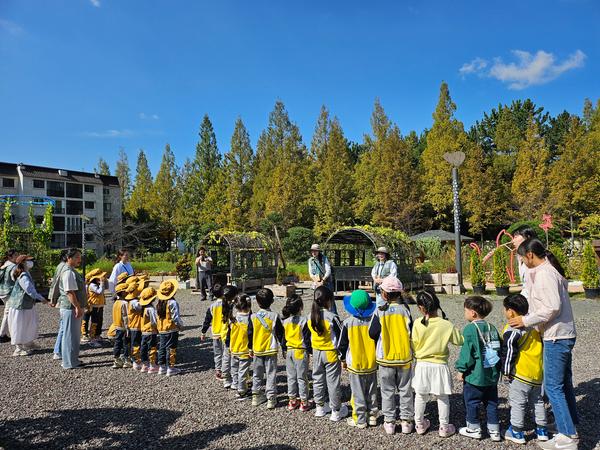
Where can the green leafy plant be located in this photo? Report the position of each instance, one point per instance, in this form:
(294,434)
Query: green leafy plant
(559,253)
(477,269)
(184,267)
(590,276)
(297,243)
(590,226)
(500,263)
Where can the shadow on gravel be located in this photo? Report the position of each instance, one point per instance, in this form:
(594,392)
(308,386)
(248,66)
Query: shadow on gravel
(192,355)
(107,427)
(587,407)
(272,447)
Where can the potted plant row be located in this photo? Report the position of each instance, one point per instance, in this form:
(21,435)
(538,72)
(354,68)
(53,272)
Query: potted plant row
(590,276)
(501,279)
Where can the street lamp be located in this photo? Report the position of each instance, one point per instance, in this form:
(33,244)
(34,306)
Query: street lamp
(84,219)
(455,159)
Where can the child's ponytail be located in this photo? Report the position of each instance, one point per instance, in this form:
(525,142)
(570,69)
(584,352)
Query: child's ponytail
(430,304)
(229,294)
(322,299)
(161,309)
(293,306)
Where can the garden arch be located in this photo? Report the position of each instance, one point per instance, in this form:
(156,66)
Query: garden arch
(246,259)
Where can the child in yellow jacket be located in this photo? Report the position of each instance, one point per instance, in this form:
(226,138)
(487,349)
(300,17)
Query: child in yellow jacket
(214,321)
(149,327)
(239,341)
(119,326)
(169,325)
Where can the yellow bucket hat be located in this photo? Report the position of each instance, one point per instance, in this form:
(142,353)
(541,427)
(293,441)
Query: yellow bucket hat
(132,291)
(147,296)
(133,279)
(92,274)
(121,287)
(167,289)
(122,277)
(143,284)
(101,276)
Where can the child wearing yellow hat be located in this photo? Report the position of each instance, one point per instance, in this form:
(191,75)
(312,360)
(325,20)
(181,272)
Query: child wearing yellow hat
(119,325)
(148,351)
(169,324)
(95,312)
(134,320)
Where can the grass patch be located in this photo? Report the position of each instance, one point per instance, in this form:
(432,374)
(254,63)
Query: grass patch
(151,267)
(300,270)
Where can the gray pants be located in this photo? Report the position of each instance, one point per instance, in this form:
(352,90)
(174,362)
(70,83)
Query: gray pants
(364,396)
(327,378)
(394,379)
(226,364)
(297,374)
(265,366)
(239,373)
(204,284)
(4,328)
(521,395)
(218,353)
(70,339)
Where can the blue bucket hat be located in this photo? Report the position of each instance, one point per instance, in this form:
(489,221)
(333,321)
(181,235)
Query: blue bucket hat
(359,304)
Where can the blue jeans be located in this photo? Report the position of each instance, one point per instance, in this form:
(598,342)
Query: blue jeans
(71,338)
(58,343)
(475,396)
(167,348)
(558,384)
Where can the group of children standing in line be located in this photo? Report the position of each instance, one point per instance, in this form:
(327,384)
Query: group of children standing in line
(144,336)
(379,343)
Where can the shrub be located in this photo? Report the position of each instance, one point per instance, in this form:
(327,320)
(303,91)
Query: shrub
(90,257)
(559,253)
(554,236)
(184,267)
(297,243)
(590,275)
(590,226)
(477,269)
(500,263)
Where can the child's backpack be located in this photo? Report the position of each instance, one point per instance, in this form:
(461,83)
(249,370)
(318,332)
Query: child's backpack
(490,346)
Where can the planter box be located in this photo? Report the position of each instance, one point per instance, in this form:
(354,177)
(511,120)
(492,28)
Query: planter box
(502,291)
(592,293)
(432,278)
(282,290)
(449,278)
(452,289)
(479,290)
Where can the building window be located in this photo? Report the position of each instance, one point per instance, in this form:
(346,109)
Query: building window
(74,207)
(89,188)
(90,205)
(59,223)
(107,207)
(89,237)
(74,240)
(58,207)
(58,240)
(55,189)
(74,190)
(73,224)
(8,182)
(39,220)
(39,184)
(106,191)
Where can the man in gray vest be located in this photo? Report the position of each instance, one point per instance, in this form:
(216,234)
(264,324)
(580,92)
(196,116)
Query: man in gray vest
(384,267)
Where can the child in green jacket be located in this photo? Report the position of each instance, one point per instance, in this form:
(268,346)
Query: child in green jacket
(478,365)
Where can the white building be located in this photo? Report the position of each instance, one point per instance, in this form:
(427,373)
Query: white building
(77,194)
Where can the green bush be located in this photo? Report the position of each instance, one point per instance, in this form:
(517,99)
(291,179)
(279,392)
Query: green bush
(90,257)
(590,276)
(500,263)
(554,236)
(184,267)
(559,253)
(296,244)
(477,269)
(172,256)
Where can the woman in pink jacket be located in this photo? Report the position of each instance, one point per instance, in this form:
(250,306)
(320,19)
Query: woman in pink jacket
(551,314)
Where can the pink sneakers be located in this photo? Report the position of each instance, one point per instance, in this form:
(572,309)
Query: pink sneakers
(447,430)
(407,426)
(389,427)
(423,426)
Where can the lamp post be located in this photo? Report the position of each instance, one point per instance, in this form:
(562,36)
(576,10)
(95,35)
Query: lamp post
(455,159)
(84,219)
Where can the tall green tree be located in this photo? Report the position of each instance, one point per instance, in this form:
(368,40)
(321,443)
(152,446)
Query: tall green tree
(237,174)
(165,195)
(333,187)
(139,204)
(123,173)
(446,135)
(199,177)
(281,172)
(102,168)
(530,184)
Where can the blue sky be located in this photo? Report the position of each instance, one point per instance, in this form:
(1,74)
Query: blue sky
(80,78)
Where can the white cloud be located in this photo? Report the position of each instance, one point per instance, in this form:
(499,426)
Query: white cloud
(477,65)
(145,116)
(96,3)
(527,70)
(108,133)
(11,27)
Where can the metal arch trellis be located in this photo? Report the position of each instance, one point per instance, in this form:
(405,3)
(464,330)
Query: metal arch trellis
(27,200)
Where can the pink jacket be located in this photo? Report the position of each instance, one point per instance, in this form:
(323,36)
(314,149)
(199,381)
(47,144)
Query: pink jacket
(549,304)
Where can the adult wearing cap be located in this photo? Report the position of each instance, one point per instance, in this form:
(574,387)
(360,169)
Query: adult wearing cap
(22,317)
(319,269)
(357,351)
(122,265)
(384,267)
(72,302)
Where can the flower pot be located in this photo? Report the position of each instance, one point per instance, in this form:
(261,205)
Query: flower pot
(502,290)
(479,289)
(592,293)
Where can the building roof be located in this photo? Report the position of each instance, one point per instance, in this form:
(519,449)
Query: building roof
(49,173)
(443,236)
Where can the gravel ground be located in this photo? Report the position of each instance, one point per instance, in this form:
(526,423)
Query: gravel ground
(46,407)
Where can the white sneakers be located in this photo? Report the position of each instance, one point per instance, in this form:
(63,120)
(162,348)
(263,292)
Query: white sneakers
(559,442)
(322,410)
(338,415)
